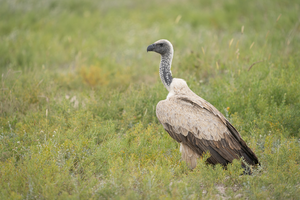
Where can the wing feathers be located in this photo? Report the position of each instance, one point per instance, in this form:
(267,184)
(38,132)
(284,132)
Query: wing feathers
(201,128)
(222,151)
(248,154)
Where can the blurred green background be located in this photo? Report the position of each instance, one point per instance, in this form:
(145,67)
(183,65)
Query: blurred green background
(79,90)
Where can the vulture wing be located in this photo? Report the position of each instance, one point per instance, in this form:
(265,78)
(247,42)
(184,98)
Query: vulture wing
(195,123)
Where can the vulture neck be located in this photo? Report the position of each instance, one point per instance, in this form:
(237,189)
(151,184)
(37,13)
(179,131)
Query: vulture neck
(165,69)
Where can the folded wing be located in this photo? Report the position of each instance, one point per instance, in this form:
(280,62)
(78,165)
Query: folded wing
(196,124)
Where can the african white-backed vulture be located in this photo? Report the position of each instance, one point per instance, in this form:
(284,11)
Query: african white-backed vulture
(193,122)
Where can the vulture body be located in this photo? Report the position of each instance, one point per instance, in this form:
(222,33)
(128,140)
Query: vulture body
(193,122)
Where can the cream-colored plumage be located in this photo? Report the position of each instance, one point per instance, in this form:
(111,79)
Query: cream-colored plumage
(187,112)
(188,155)
(193,122)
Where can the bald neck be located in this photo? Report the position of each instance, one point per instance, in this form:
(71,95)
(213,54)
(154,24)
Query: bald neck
(165,69)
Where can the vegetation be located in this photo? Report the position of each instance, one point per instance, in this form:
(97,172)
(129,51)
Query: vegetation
(78,96)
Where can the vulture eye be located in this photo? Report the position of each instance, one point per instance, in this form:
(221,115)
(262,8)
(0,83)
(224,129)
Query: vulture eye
(161,44)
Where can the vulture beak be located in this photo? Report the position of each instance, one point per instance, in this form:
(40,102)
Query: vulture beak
(151,47)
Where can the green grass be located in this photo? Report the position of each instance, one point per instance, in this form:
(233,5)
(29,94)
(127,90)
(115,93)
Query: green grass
(79,91)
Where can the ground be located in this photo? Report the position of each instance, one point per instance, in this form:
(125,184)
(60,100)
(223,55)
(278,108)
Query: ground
(78,96)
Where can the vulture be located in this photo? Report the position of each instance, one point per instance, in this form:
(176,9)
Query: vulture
(194,123)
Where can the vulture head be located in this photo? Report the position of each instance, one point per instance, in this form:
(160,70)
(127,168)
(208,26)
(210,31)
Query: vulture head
(162,47)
